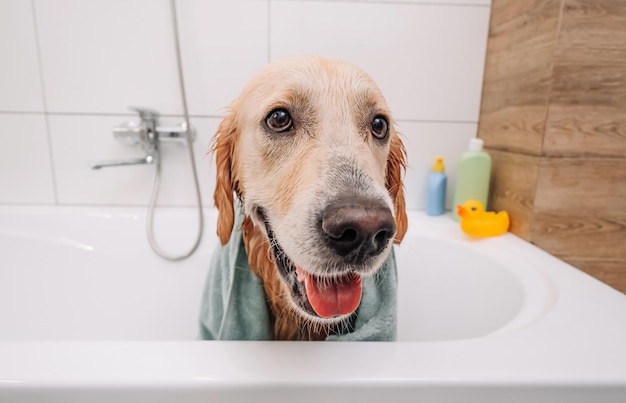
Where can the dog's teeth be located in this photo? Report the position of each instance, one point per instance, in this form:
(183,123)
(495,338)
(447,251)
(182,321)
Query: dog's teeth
(301,274)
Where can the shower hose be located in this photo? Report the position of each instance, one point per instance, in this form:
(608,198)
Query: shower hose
(157,177)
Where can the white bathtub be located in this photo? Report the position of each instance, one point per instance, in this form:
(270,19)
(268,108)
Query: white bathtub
(88,313)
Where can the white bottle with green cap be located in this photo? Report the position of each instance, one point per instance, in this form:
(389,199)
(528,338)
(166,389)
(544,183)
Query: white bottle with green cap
(472,176)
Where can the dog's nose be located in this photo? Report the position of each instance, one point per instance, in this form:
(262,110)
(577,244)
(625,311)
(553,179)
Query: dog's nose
(357,228)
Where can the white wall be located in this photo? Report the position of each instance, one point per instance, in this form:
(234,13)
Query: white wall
(70,68)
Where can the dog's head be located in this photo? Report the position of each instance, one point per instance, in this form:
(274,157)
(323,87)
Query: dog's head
(310,149)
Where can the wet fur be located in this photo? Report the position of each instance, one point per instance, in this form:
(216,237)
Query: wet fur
(288,324)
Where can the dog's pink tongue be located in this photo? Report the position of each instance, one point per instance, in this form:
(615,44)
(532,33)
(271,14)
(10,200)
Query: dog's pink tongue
(340,297)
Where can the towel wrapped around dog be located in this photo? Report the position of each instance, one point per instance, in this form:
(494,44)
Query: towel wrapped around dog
(234,305)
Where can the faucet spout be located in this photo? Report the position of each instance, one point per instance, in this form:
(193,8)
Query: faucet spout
(148,159)
(148,134)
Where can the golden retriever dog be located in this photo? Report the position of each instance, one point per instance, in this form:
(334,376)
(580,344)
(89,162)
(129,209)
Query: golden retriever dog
(310,150)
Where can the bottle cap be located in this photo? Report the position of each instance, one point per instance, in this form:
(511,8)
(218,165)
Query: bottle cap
(476,144)
(438,167)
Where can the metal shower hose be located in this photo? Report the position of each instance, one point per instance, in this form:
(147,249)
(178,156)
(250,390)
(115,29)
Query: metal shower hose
(157,178)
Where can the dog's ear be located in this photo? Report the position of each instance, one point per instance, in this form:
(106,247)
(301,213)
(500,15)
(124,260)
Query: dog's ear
(222,147)
(396,165)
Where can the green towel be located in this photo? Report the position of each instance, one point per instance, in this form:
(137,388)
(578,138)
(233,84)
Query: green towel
(234,304)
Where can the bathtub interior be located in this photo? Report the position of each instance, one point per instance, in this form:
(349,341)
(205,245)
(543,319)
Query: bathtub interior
(448,291)
(88,274)
(478,321)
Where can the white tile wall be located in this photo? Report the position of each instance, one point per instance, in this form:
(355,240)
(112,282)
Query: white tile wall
(25,169)
(423,142)
(78,140)
(436,2)
(427,59)
(223,44)
(20,84)
(100,56)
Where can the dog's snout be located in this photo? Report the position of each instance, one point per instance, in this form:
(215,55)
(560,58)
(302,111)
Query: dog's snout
(357,229)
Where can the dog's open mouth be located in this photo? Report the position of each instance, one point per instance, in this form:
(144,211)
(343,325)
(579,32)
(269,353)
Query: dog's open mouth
(326,297)
(331,297)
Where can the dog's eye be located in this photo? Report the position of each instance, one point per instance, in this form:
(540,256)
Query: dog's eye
(380,127)
(279,120)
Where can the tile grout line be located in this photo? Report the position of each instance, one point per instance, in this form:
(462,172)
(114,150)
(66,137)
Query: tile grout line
(557,34)
(408,2)
(45,106)
(482,87)
(269,31)
(98,114)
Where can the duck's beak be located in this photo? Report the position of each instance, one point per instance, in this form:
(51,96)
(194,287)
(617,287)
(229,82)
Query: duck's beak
(460,210)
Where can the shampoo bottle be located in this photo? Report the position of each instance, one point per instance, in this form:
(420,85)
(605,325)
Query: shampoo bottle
(472,177)
(436,191)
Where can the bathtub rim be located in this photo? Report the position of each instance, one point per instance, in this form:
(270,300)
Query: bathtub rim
(587,337)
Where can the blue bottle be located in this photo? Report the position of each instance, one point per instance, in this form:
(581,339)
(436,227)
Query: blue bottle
(436,191)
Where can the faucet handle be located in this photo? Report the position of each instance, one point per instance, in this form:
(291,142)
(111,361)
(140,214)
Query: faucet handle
(145,113)
(130,132)
(176,134)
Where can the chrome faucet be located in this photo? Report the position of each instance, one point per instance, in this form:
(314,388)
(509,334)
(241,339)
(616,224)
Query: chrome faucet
(148,134)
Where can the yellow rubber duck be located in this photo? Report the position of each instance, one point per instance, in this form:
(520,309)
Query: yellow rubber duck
(475,221)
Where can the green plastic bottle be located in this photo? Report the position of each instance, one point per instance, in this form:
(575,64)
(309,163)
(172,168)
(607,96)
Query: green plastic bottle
(472,176)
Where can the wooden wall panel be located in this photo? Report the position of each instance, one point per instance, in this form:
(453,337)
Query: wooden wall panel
(512,188)
(581,237)
(586,130)
(586,114)
(521,40)
(580,214)
(589,84)
(582,185)
(517,128)
(518,72)
(592,32)
(576,155)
